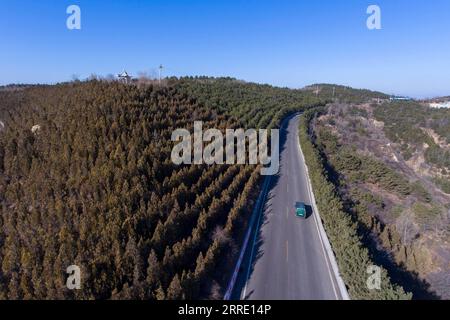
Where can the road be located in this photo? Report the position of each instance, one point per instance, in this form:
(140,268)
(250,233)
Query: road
(286,259)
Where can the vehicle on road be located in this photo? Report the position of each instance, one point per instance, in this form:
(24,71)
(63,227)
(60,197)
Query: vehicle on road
(300,209)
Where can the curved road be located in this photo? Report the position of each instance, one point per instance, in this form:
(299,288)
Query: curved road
(286,259)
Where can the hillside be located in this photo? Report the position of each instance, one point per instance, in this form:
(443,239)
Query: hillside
(86,179)
(344,94)
(390,164)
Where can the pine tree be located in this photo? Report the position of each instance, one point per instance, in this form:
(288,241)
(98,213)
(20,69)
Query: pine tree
(153,271)
(159,294)
(175,292)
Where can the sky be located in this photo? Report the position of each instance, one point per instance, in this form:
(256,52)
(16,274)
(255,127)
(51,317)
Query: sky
(280,42)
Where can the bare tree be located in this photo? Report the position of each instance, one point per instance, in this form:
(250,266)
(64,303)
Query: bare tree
(93,76)
(215,291)
(408,230)
(220,235)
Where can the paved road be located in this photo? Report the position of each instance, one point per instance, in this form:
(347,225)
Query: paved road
(285,259)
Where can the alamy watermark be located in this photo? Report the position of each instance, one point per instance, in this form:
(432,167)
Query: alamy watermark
(374,20)
(73,22)
(374,280)
(74,279)
(191,150)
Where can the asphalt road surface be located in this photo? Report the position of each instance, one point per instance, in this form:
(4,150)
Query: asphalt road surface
(285,259)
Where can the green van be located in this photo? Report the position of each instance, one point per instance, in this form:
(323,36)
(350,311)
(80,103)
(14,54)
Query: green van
(300,209)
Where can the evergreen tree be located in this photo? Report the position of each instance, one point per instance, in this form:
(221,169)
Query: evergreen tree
(174,292)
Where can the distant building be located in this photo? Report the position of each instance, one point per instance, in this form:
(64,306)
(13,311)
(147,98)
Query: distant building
(124,77)
(440,105)
(379,100)
(400,98)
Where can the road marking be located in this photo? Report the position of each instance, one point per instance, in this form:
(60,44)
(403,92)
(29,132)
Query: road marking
(287,251)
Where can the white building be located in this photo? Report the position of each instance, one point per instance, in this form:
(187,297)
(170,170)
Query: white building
(440,105)
(124,77)
(400,98)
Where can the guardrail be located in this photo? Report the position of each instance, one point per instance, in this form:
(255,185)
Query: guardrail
(256,213)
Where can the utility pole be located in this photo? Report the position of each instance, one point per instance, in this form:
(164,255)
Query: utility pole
(334,91)
(160,72)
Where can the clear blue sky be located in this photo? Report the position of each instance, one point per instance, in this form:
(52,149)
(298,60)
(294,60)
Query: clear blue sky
(285,43)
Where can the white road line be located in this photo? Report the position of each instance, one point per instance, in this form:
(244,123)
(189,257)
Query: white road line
(287,251)
(326,258)
(321,243)
(316,224)
(316,217)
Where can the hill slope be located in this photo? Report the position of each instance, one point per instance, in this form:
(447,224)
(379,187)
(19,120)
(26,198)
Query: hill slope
(86,179)
(389,162)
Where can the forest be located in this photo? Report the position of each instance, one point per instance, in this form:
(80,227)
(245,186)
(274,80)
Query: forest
(344,94)
(86,179)
(403,123)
